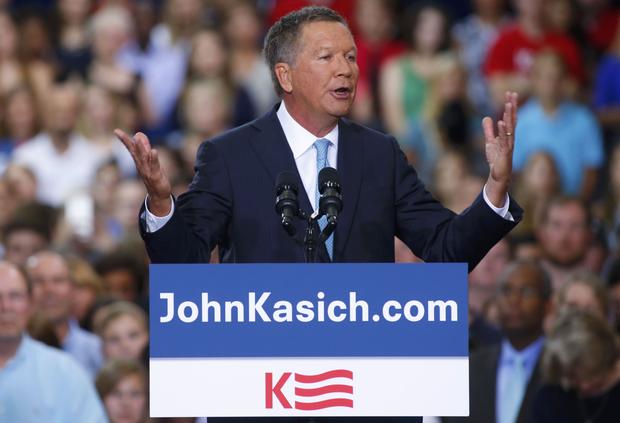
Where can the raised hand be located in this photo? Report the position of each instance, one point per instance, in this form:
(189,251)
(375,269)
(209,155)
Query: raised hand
(147,164)
(498,150)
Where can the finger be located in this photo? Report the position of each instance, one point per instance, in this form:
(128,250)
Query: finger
(501,132)
(514,100)
(143,147)
(125,139)
(487,126)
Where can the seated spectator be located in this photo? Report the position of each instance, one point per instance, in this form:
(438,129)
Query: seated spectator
(88,287)
(20,123)
(40,383)
(122,386)
(123,274)
(22,184)
(23,239)
(538,181)
(63,161)
(72,39)
(53,291)
(564,234)
(566,130)
(581,370)
(504,378)
(583,291)
(123,329)
(510,59)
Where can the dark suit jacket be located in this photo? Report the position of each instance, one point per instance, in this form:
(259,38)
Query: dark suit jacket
(231,201)
(483,366)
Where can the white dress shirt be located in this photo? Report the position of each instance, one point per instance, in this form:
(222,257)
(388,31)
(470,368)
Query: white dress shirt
(301,142)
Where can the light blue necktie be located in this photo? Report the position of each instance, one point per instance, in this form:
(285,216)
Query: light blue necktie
(322,145)
(514,392)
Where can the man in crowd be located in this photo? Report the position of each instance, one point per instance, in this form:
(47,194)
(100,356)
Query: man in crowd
(564,235)
(504,378)
(53,291)
(37,382)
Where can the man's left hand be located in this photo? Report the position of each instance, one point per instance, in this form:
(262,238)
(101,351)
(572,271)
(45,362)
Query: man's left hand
(499,148)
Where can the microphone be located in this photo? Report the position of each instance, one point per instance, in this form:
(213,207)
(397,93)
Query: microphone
(330,203)
(287,205)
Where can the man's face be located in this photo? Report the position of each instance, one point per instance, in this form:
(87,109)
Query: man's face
(14,303)
(52,286)
(565,235)
(21,244)
(323,78)
(521,304)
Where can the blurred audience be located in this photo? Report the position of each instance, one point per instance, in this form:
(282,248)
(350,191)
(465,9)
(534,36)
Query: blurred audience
(41,382)
(581,370)
(122,386)
(53,290)
(123,328)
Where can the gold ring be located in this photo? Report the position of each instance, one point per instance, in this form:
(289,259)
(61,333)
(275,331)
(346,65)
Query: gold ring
(509,133)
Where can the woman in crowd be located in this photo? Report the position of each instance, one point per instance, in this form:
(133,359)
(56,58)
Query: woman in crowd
(122,386)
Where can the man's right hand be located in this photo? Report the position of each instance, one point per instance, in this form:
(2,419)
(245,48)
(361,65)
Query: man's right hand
(147,164)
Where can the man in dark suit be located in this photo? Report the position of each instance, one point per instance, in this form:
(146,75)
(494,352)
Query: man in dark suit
(504,378)
(230,202)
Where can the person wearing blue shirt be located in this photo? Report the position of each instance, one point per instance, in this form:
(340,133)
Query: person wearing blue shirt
(566,130)
(37,382)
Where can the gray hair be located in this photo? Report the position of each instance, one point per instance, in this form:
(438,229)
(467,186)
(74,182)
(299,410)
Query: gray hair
(582,341)
(282,40)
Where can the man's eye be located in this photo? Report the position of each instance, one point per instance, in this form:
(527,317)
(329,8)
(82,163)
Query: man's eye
(325,57)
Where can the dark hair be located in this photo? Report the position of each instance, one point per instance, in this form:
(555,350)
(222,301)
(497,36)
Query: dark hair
(282,39)
(123,259)
(411,20)
(546,288)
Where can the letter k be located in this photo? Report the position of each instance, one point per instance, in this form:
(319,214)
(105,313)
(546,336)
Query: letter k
(270,390)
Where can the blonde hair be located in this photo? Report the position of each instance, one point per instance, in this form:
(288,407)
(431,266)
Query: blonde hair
(111,312)
(116,370)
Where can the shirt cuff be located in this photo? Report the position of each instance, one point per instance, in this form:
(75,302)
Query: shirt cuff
(502,211)
(155,223)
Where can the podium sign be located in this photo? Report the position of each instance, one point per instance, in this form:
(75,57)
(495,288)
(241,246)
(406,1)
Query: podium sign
(309,340)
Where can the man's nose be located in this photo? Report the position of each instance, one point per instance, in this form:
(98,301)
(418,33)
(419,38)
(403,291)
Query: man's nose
(344,67)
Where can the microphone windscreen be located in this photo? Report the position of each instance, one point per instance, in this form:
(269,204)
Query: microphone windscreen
(286,179)
(328,175)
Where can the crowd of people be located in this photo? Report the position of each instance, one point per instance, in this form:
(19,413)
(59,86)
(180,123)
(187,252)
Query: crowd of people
(545,301)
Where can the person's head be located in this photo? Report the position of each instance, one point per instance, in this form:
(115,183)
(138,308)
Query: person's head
(374,19)
(122,386)
(209,56)
(88,287)
(123,328)
(427,27)
(23,239)
(489,7)
(529,10)
(22,183)
(213,95)
(523,301)
(123,274)
(484,277)
(183,16)
(52,286)
(99,108)
(313,60)
(540,175)
(584,291)
(21,120)
(548,77)
(128,198)
(62,107)
(243,25)
(74,12)
(561,15)
(14,303)
(8,37)
(111,28)
(564,231)
(581,352)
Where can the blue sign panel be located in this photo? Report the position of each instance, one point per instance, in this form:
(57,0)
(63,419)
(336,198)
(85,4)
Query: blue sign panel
(316,310)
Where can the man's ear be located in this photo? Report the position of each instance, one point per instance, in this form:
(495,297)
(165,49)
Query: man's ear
(285,78)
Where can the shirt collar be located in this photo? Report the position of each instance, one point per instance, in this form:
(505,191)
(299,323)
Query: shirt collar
(298,137)
(529,354)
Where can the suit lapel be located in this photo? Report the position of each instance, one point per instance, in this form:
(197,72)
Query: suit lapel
(274,151)
(350,164)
